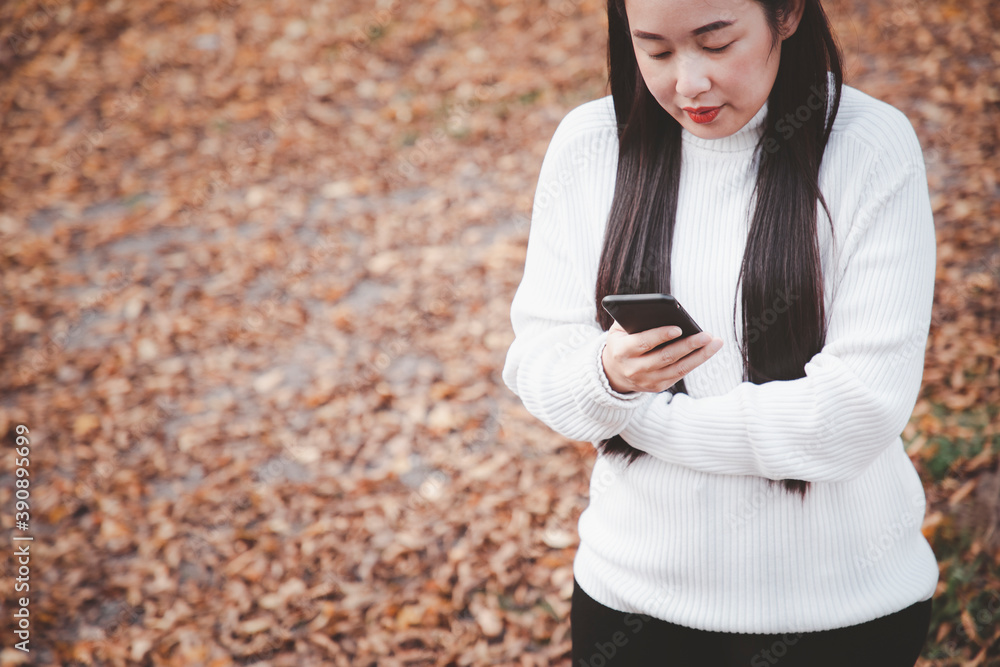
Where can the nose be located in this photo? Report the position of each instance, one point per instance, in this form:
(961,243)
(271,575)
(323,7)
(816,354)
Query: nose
(692,78)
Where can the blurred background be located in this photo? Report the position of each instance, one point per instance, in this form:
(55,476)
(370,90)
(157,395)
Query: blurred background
(257,263)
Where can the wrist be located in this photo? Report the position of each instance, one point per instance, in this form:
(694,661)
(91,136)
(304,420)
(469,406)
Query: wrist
(611,383)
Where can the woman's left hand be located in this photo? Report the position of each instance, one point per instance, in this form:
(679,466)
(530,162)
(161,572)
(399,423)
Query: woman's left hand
(637,362)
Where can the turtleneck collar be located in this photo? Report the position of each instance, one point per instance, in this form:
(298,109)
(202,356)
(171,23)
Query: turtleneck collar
(744,139)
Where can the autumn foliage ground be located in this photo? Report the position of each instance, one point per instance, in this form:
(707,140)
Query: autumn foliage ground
(257,262)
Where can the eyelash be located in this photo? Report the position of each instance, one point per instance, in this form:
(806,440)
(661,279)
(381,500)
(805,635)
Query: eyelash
(661,56)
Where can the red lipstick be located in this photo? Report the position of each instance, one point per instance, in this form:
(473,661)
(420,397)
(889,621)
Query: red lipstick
(702,114)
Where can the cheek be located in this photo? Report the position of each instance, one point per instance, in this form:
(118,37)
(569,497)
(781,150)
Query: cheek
(654,77)
(740,75)
(753,73)
(762,64)
(647,72)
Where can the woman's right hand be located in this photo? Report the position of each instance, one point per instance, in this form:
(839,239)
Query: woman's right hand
(632,364)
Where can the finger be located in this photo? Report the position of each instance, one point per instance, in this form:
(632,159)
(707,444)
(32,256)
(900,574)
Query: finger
(700,354)
(672,353)
(686,363)
(615,326)
(692,343)
(653,338)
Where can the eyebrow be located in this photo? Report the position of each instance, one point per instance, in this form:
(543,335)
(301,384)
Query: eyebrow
(715,25)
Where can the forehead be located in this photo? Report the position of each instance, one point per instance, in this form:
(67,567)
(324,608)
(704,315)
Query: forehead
(677,18)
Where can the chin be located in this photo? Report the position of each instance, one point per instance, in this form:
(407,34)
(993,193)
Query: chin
(703,131)
(709,131)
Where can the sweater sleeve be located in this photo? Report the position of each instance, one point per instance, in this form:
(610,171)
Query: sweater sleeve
(858,392)
(554,363)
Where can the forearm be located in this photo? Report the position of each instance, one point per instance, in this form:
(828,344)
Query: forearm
(557,373)
(825,427)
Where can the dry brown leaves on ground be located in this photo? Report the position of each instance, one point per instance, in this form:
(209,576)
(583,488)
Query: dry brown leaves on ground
(257,263)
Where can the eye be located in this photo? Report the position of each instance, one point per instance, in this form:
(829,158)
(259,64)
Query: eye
(719,49)
(660,56)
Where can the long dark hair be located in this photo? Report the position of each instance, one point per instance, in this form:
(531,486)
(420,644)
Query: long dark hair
(782,248)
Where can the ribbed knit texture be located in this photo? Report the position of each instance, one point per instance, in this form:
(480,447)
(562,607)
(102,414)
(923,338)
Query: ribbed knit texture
(693,534)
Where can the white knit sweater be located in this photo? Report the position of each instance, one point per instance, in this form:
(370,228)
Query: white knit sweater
(692,533)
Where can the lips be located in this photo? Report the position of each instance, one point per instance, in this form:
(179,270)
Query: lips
(702,114)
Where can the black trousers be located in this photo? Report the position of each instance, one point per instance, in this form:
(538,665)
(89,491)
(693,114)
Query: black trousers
(603,637)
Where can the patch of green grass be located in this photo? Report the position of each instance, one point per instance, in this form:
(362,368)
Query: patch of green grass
(409,138)
(966,591)
(985,611)
(460,133)
(951,451)
(507,603)
(374,31)
(530,97)
(135,201)
(547,608)
(951,543)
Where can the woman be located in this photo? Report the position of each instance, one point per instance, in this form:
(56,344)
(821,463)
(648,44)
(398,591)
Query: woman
(751,502)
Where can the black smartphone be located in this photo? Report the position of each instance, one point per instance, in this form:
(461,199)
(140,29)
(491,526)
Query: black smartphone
(640,312)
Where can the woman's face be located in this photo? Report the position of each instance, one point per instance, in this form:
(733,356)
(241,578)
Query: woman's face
(709,56)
